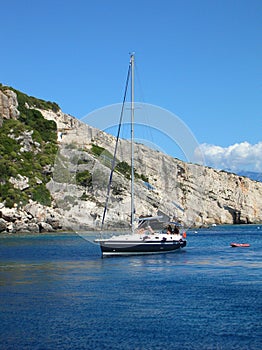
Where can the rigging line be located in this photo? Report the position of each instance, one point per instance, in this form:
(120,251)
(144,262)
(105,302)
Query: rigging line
(115,151)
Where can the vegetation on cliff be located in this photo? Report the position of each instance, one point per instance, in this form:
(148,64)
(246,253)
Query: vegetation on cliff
(27,150)
(121,167)
(30,101)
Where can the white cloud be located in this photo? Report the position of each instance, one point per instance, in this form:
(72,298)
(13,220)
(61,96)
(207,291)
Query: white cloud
(240,156)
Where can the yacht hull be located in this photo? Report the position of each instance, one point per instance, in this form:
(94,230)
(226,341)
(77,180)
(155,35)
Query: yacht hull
(114,248)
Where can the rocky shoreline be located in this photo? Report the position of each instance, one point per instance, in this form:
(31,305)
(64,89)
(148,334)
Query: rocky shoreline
(33,218)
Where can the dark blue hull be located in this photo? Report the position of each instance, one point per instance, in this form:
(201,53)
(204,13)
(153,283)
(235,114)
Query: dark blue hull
(138,248)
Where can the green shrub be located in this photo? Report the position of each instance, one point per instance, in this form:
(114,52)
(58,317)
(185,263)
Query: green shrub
(97,150)
(46,128)
(84,178)
(41,195)
(37,137)
(8,169)
(45,160)
(124,168)
(10,195)
(8,145)
(144,178)
(35,102)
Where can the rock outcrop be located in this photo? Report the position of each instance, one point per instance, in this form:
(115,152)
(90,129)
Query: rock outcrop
(33,218)
(20,182)
(8,105)
(26,141)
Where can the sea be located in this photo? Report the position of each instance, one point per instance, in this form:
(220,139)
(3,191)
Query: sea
(56,292)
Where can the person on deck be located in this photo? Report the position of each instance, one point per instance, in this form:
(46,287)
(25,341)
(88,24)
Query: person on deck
(176,230)
(169,229)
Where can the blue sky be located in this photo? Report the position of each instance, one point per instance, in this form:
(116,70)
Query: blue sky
(199,59)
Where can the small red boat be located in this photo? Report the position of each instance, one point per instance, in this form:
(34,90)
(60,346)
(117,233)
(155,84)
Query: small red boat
(236,245)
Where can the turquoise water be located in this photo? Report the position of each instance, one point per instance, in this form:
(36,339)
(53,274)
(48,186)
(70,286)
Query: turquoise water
(57,293)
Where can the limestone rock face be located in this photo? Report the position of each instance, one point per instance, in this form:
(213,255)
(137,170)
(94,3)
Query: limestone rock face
(192,194)
(63,120)
(8,105)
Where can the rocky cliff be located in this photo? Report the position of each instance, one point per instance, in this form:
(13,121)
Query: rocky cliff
(192,194)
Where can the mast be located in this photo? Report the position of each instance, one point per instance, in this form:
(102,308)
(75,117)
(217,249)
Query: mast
(132,61)
(116,145)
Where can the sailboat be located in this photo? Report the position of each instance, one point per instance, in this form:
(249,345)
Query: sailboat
(142,239)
